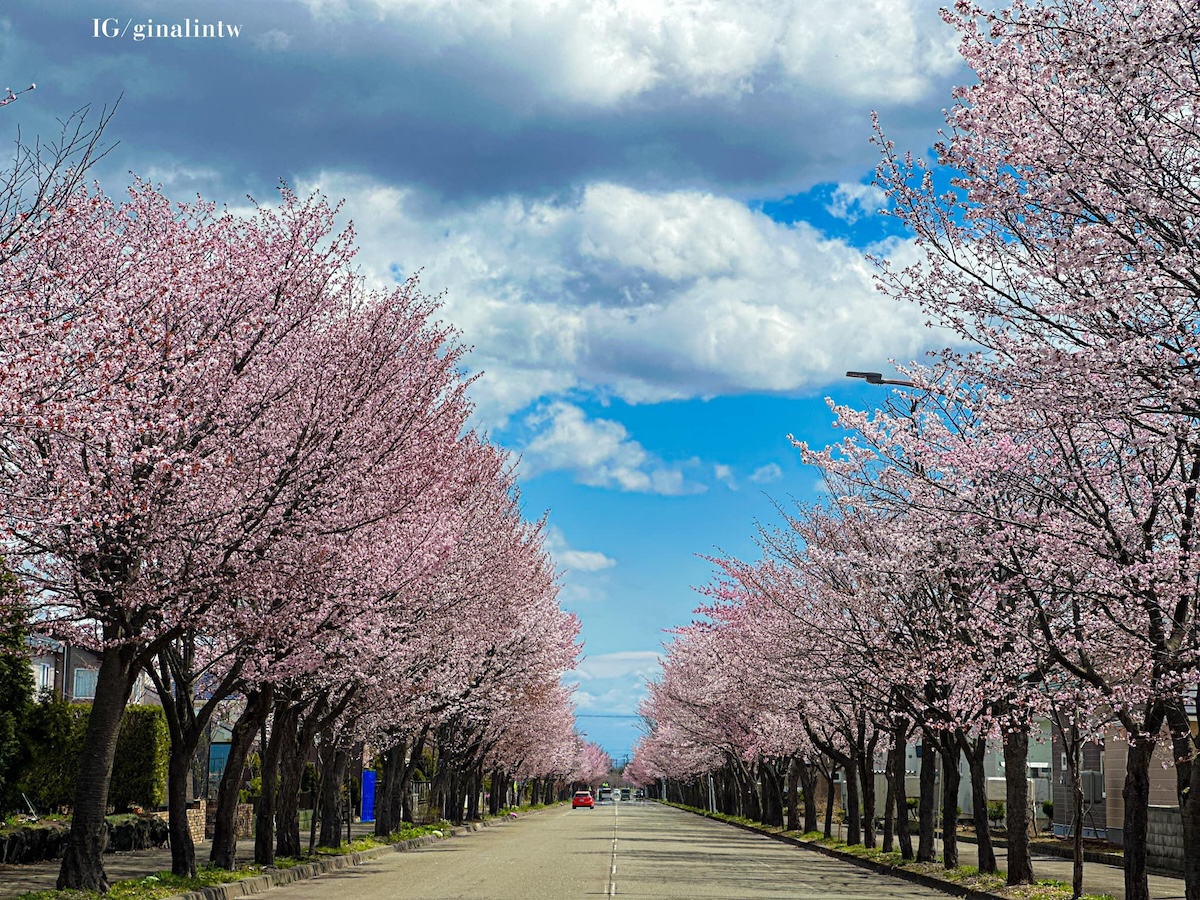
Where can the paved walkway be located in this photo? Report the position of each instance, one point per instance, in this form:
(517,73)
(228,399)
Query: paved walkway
(16,880)
(1098,878)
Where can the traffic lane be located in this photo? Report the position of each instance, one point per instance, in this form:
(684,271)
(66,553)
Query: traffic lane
(554,854)
(668,854)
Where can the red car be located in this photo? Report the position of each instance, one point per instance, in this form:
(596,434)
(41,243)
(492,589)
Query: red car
(584,799)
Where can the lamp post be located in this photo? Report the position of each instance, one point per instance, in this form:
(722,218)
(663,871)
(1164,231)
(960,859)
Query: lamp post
(877,378)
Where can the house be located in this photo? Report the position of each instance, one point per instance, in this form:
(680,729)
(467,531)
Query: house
(69,672)
(1103,772)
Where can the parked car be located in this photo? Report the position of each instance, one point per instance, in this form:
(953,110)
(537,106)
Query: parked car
(584,799)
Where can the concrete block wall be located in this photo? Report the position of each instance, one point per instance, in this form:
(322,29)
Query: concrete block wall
(1164,839)
(196,813)
(195,819)
(243,825)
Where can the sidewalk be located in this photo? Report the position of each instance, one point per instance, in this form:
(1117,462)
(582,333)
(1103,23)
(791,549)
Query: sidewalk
(1098,878)
(17,880)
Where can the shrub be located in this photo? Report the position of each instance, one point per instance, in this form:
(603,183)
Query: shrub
(16,692)
(55,730)
(1048,809)
(140,768)
(56,733)
(996,811)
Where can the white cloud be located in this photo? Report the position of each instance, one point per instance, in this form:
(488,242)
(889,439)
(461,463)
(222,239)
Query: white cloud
(575,560)
(599,452)
(724,474)
(766,474)
(615,684)
(648,296)
(273,40)
(602,52)
(853,201)
(642,664)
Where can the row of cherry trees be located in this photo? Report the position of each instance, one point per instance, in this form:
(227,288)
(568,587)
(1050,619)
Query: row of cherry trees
(229,464)
(1015,535)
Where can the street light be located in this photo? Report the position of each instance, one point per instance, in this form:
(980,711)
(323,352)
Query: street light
(877,378)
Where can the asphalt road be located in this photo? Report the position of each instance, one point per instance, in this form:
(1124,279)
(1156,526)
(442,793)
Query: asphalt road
(635,850)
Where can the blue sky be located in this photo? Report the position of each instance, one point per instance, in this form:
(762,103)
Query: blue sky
(649,218)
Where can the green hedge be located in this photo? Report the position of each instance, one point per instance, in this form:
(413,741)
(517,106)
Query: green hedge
(140,768)
(16,689)
(57,731)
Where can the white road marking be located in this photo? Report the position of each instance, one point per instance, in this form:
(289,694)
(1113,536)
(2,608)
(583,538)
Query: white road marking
(612,881)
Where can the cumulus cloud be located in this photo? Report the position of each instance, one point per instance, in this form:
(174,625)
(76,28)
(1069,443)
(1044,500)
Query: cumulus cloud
(598,452)
(640,663)
(644,295)
(766,474)
(724,474)
(575,560)
(614,684)
(603,52)
(851,202)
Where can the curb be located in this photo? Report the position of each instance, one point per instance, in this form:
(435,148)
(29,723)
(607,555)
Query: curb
(1099,857)
(937,884)
(276,877)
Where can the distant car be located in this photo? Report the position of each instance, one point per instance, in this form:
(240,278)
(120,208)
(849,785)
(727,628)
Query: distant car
(584,799)
(625,793)
(605,794)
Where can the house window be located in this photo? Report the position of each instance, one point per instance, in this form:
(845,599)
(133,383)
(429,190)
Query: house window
(85,684)
(45,677)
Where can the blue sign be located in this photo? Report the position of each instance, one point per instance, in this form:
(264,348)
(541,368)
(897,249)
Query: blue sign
(368,795)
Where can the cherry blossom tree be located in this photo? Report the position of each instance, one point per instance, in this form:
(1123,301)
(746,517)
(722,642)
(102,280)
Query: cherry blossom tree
(1066,248)
(153,358)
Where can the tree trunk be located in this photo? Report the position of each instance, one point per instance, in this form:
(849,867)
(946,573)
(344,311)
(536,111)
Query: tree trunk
(224,842)
(853,809)
(1076,753)
(926,851)
(179,770)
(175,679)
(976,751)
(82,868)
(264,830)
(793,793)
(951,778)
(387,797)
(410,768)
(772,805)
(293,755)
(866,776)
(1016,758)
(335,761)
(901,794)
(889,805)
(1137,802)
(808,784)
(830,789)
(1187,788)
(898,785)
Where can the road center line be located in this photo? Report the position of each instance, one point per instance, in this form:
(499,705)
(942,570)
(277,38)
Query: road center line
(612,879)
